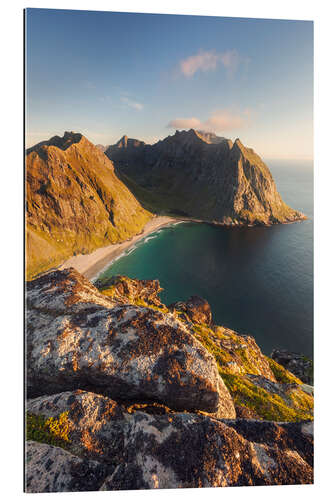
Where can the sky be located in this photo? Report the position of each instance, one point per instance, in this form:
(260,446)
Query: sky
(107,74)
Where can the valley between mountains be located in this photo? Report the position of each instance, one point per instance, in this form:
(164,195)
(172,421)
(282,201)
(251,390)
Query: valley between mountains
(79,199)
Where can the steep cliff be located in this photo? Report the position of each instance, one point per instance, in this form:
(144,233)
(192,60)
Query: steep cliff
(199,175)
(74,202)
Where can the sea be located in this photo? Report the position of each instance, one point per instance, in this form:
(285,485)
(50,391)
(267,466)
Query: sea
(258,280)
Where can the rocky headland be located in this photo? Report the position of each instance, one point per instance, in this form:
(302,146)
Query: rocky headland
(202,176)
(125,392)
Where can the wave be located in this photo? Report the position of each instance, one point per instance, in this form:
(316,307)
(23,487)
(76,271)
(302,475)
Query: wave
(150,237)
(128,252)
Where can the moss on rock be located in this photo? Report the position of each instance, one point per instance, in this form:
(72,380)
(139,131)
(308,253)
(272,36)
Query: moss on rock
(282,374)
(266,405)
(54,430)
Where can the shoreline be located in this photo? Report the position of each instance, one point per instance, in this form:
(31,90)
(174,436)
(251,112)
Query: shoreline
(92,264)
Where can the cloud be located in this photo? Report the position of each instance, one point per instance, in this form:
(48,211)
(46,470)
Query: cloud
(224,120)
(180,123)
(132,104)
(208,61)
(219,121)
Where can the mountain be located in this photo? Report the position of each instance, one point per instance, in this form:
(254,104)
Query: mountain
(209,137)
(75,203)
(125,150)
(197,174)
(125,392)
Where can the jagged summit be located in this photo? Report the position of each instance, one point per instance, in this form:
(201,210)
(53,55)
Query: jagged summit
(124,147)
(194,138)
(63,143)
(74,202)
(200,175)
(211,137)
(122,143)
(126,142)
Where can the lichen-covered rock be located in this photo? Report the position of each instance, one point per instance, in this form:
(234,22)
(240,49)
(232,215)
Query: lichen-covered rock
(285,436)
(131,291)
(64,292)
(195,308)
(244,412)
(52,469)
(95,423)
(178,450)
(77,338)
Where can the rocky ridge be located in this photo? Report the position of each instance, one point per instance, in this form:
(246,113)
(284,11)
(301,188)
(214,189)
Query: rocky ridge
(198,175)
(75,203)
(125,392)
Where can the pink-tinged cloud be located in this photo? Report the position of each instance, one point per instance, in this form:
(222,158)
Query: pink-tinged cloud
(208,61)
(224,120)
(181,123)
(219,121)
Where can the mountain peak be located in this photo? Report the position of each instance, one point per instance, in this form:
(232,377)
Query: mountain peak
(95,207)
(122,143)
(126,142)
(198,174)
(207,137)
(63,143)
(184,136)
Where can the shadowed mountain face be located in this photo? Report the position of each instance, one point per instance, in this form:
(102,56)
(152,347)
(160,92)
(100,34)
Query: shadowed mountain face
(200,175)
(74,202)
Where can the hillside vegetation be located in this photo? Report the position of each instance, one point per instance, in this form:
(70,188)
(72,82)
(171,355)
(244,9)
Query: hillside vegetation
(74,202)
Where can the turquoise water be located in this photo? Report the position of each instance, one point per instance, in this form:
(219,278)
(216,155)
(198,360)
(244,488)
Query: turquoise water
(257,280)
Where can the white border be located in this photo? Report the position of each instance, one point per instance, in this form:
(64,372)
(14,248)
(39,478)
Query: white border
(12,232)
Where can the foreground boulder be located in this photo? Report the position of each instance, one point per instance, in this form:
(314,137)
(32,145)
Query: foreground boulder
(139,450)
(51,469)
(78,338)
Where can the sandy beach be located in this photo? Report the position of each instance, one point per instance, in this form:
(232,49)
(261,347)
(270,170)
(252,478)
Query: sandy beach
(92,264)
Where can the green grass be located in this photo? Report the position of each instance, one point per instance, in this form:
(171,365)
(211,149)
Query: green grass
(54,431)
(204,335)
(281,374)
(266,405)
(295,406)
